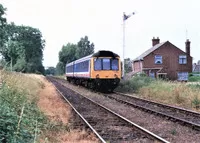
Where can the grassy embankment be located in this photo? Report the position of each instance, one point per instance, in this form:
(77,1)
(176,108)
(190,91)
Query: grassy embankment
(20,118)
(175,93)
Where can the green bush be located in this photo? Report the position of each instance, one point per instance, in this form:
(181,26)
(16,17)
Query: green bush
(19,117)
(194,78)
(134,84)
(196,103)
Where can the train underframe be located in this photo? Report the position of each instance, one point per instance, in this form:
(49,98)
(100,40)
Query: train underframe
(101,85)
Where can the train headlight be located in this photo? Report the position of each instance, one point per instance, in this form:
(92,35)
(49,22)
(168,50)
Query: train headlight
(97,76)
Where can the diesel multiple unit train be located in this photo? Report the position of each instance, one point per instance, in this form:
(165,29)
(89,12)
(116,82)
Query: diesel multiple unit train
(100,71)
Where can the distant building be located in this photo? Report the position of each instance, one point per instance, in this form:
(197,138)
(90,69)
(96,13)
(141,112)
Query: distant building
(196,67)
(164,60)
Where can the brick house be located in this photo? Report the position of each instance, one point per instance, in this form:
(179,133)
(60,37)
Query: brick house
(164,60)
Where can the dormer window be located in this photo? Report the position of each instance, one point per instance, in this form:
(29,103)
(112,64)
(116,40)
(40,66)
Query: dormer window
(158,59)
(182,59)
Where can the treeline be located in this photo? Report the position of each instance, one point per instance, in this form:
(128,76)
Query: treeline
(21,47)
(71,52)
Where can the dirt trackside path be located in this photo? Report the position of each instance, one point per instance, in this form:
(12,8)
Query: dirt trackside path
(57,110)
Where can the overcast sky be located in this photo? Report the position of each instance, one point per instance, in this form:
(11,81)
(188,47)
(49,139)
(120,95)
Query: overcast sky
(63,21)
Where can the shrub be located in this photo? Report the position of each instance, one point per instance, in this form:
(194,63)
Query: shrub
(18,117)
(190,74)
(134,84)
(196,102)
(194,78)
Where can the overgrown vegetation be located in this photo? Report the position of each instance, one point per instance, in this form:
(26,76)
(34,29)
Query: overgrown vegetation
(134,84)
(21,120)
(193,77)
(178,93)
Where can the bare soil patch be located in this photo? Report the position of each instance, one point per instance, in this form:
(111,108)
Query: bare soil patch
(57,110)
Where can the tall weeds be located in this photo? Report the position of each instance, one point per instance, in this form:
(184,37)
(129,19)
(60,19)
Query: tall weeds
(176,93)
(134,84)
(18,110)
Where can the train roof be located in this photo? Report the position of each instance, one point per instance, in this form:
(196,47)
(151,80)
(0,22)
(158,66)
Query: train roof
(101,53)
(105,54)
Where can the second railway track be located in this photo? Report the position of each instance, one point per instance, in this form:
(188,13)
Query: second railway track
(184,116)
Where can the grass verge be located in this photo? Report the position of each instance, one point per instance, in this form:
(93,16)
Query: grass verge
(21,120)
(175,93)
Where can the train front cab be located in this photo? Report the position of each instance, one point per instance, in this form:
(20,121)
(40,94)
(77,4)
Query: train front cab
(106,71)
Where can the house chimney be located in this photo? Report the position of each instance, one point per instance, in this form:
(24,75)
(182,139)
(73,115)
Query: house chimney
(187,47)
(155,41)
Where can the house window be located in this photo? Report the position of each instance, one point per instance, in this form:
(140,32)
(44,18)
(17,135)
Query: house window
(182,59)
(158,59)
(152,74)
(182,76)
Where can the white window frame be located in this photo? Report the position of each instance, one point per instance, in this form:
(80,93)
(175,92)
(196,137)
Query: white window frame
(182,59)
(158,58)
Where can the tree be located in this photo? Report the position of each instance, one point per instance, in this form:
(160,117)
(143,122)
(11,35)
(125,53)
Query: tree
(20,65)
(2,25)
(128,66)
(84,48)
(67,53)
(15,54)
(60,68)
(72,52)
(2,13)
(24,44)
(50,71)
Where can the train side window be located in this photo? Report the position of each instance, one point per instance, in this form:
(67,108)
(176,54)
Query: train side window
(106,64)
(75,68)
(70,69)
(115,64)
(97,64)
(78,67)
(86,66)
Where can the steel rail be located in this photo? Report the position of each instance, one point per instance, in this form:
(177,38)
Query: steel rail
(100,138)
(125,119)
(161,104)
(194,125)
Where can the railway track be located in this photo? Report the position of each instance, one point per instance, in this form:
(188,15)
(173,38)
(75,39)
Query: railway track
(181,115)
(106,124)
